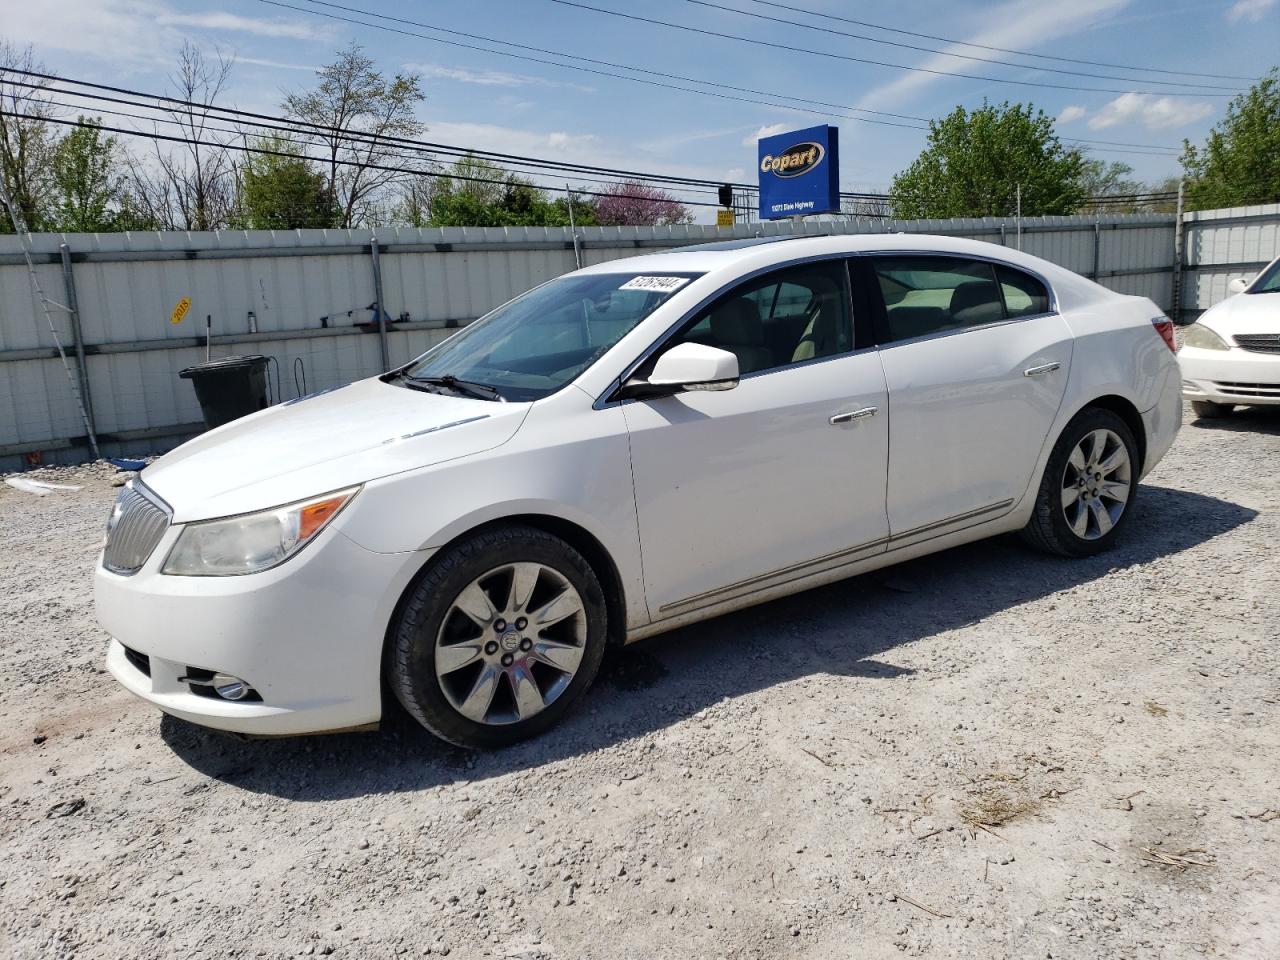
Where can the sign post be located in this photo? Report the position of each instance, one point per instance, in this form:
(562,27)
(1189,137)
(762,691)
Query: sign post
(799,173)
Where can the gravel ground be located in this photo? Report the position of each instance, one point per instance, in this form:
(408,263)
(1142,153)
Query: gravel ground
(986,753)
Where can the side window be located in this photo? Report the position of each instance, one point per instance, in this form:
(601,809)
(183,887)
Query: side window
(1024,295)
(924,295)
(797,314)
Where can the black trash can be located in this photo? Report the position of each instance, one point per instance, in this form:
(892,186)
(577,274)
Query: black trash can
(229,388)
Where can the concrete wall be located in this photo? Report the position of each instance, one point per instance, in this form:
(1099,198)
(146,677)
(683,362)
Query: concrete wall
(128,284)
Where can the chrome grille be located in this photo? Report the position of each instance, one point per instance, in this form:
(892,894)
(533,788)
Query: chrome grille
(137,523)
(1259,342)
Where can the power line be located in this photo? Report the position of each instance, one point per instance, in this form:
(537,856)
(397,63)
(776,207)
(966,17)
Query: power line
(575,66)
(984,46)
(571,66)
(326,130)
(948,53)
(841,56)
(265,151)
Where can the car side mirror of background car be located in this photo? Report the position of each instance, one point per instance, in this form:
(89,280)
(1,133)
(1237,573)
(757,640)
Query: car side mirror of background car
(686,366)
(1237,285)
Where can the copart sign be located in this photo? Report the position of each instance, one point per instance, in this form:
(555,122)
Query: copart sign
(799,173)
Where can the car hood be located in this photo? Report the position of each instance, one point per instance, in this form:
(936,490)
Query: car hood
(1245,313)
(326,441)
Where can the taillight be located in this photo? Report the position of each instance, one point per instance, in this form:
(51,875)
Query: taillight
(1164,327)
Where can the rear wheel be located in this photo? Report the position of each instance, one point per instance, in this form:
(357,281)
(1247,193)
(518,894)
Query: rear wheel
(1088,487)
(499,638)
(1208,410)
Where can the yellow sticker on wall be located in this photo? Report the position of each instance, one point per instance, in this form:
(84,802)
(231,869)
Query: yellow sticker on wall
(180,310)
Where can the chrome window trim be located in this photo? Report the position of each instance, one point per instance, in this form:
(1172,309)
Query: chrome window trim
(1054,307)
(602,401)
(955,331)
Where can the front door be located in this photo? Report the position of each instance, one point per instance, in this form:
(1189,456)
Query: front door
(783,475)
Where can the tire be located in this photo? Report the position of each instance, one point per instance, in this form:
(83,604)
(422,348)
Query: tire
(1208,410)
(1078,514)
(456,663)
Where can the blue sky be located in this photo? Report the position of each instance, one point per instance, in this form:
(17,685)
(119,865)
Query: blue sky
(488,101)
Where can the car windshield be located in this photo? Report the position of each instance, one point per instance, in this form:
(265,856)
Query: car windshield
(542,340)
(1269,282)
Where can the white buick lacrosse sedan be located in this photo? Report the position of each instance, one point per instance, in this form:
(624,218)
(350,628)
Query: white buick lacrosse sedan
(626,449)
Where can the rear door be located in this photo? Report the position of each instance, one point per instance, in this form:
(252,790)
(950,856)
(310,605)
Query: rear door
(976,359)
(782,476)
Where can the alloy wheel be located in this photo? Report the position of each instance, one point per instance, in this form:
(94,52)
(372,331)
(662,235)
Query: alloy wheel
(1096,484)
(511,643)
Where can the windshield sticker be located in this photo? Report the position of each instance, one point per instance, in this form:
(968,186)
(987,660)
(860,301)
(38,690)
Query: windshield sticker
(655,284)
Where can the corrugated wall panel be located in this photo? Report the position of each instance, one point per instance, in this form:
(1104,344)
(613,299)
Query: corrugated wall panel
(1222,244)
(124,302)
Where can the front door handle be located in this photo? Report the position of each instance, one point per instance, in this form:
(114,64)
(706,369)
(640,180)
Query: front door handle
(1042,369)
(850,417)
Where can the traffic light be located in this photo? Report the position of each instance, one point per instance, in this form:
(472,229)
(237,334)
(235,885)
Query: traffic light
(726,195)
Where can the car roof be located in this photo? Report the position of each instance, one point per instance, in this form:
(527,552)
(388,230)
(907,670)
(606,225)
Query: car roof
(746,255)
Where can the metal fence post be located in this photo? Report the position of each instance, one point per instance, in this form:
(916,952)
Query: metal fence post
(1097,250)
(73,310)
(1179,254)
(381,307)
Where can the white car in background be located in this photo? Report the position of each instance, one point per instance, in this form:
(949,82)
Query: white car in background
(629,448)
(1231,355)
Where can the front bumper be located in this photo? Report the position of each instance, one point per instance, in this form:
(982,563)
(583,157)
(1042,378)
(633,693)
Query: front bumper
(306,635)
(1233,376)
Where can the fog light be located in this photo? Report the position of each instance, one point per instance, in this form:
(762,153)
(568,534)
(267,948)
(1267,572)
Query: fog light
(229,687)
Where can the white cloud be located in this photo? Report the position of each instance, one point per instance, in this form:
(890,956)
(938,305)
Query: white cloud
(134,31)
(1154,113)
(1021,24)
(233,23)
(1250,10)
(489,78)
(1071,113)
(768,130)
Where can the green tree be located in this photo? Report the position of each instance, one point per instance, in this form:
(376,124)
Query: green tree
(88,184)
(355,110)
(1102,179)
(283,192)
(26,142)
(1239,163)
(975,162)
(475,192)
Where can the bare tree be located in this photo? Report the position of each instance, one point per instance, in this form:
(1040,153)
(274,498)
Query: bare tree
(26,141)
(355,109)
(190,186)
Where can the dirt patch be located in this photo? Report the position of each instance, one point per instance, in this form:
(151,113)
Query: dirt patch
(987,753)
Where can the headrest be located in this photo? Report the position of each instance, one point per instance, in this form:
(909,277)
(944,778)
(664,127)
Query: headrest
(737,321)
(976,301)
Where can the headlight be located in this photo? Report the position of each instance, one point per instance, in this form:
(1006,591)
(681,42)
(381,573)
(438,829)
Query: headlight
(1198,335)
(252,541)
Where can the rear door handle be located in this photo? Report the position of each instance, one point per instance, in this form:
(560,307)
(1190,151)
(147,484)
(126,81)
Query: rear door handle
(1042,369)
(850,417)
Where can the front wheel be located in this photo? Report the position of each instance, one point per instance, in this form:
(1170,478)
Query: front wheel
(498,639)
(1088,487)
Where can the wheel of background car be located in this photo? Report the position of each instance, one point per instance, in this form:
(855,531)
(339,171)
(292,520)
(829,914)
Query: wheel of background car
(498,638)
(1088,488)
(1208,410)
